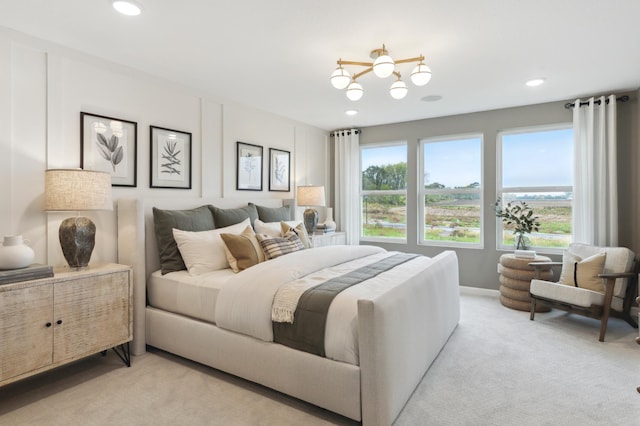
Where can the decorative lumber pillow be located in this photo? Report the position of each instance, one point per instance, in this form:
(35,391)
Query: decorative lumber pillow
(198,219)
(204,251)
(243,250)
(273,229)
(583,273)
(299,230)
(277,246)
(228,217)
(273,214)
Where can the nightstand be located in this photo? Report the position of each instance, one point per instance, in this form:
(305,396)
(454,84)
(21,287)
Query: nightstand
(50,322)
(330,239)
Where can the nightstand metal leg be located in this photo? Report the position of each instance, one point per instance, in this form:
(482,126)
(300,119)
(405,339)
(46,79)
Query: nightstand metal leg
(124,352)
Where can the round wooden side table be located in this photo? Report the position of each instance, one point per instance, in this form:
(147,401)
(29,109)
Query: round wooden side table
(515,280)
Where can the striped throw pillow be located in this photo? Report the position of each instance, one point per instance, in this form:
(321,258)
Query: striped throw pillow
(277,246)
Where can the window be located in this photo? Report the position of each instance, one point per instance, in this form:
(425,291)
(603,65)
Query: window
(451,190)
(536,166)
(383,192)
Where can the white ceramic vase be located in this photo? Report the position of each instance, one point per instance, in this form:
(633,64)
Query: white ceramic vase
(329,224)
(15,254)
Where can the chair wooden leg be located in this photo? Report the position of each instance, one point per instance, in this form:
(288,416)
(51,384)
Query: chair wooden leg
(603,326)
(608,295)
(533,308)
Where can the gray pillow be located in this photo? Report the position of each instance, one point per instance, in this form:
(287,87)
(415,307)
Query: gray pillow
(228,217)
(198,219)
(273,214)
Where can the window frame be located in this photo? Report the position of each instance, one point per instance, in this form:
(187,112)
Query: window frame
(500,190)
(362,193)
(422,192)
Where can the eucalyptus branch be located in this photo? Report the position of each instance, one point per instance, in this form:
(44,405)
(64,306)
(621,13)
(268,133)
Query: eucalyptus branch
(518,215)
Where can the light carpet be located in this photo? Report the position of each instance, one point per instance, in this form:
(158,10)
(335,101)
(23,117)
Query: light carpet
(498,368)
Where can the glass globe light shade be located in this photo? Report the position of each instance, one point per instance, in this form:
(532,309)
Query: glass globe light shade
(340,78)
(421,74)
(129,8)
(398,89)
(383,66)
(354,91)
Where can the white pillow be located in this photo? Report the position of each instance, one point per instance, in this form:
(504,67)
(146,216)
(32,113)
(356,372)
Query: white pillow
(273,229)
(205,251)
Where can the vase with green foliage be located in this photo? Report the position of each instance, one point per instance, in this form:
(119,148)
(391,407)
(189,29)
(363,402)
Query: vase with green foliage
(519,216)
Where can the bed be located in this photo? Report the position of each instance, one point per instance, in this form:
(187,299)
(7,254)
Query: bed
(399,331)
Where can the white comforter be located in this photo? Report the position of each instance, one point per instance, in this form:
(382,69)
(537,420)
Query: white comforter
(244,304)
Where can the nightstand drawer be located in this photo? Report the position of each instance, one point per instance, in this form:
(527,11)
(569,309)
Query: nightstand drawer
(331,239)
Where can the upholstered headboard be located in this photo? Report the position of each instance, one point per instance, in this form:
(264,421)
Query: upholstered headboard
(137,245)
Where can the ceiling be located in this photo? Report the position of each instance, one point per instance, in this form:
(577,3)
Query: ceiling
(278,55)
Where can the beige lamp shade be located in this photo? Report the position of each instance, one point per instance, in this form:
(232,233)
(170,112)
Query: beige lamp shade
(311,196)
(76,189)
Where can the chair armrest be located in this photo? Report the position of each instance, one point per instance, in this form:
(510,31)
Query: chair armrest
(616,275)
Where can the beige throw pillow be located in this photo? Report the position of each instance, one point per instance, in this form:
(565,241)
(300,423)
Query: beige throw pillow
(299,230)
(243,250)
(272,229)
(583,273)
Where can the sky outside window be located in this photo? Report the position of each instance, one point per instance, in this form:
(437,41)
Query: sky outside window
(537,159)
(383,156)
(453,163)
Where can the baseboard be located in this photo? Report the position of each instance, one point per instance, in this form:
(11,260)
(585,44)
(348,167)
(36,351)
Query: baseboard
(478,291)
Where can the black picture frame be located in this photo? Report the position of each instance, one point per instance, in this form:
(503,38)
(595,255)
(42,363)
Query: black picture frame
(170,158)
(109,144)
(279,170)
(248,167)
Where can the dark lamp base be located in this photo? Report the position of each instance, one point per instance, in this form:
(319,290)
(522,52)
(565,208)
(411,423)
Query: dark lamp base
(310,217)
(77,239)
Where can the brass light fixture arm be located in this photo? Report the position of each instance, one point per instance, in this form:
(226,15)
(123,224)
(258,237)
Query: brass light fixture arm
(369,65)
(404,61)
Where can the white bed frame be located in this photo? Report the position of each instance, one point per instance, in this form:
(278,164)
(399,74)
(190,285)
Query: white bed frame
(400,332)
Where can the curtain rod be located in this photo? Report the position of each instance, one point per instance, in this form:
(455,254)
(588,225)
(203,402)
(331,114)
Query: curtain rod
(345,132)
(568,105)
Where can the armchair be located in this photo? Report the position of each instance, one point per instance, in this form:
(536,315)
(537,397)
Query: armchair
(597,282)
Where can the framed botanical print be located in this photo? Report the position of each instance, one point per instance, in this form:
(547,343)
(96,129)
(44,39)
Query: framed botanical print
(170,164)
(248,167)
(109,145)
(279,167)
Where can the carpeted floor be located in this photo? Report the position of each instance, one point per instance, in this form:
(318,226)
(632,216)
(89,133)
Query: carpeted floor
(498,368)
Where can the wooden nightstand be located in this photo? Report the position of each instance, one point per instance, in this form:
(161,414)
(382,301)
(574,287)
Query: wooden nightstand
(49,322)
(331,239)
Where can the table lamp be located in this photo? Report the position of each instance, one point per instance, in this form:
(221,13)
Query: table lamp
(77,190)
(310,196)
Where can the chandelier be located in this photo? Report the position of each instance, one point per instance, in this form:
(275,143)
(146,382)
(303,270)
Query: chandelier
(382,66)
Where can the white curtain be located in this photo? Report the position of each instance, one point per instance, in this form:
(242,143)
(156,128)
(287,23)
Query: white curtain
(347,183)
(595,187)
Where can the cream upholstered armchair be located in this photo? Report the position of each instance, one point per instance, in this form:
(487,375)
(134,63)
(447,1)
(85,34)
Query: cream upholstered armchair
(597,282)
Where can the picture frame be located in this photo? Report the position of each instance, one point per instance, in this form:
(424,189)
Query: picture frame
(248,167)
(109,144)
(279,170)
(170,158)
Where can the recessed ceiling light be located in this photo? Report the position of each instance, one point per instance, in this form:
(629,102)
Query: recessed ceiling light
(535,82)
(351,112)
(129,8)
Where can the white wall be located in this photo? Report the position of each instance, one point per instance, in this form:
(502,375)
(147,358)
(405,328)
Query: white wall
(43,89)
